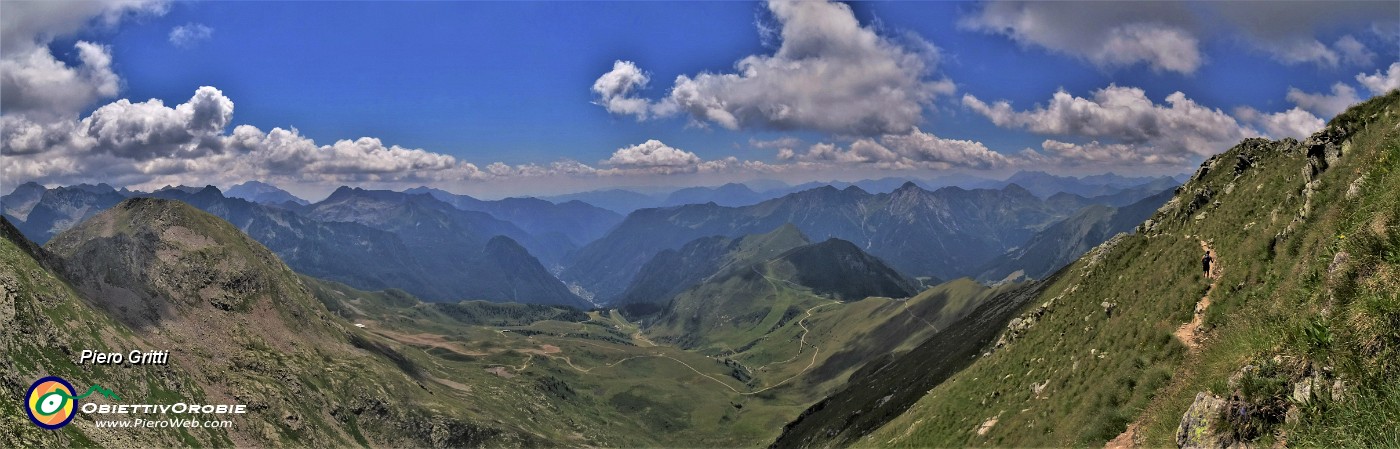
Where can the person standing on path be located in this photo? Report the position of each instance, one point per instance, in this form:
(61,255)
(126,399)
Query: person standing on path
(1205,263)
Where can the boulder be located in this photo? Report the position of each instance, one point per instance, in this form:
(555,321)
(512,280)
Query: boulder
(1201,426)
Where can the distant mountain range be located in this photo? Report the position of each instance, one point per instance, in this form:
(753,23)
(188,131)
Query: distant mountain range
(621,201)
(1044,185)
(1063,242)
(463,251)
(366,239)
(41,213)
(576,221)
(944,234)
(442,246)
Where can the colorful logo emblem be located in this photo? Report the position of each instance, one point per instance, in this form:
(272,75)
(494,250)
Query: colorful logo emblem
(51,401)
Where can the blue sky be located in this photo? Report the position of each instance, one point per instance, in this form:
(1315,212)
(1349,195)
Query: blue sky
(449,88)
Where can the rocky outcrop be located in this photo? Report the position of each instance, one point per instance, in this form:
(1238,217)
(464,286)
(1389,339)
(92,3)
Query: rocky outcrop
(1201,426)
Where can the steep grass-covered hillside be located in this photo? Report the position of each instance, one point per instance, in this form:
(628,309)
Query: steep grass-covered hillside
(239,326)
(1291,337)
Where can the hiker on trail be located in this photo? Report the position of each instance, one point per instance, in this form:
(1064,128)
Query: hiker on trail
(1205,263)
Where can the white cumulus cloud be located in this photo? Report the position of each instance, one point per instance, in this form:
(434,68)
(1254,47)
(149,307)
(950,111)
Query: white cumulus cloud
(1289,31)
(617,90)
(25,25)
(1180,126)
(1325,105)
(1106,34)
(1382,81)
(150,129)
(190,34)
(1296,122)
(652,153)
(1169,36)
(36,84)
(1104,154)
(914,150)
(829,73)
(1353,52)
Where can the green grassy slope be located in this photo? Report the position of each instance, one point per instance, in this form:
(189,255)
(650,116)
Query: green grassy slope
(42,322)
(605,374)
(786,339)
(592,379)
(671,272)
(1308,294)
(156,274)
(889,383)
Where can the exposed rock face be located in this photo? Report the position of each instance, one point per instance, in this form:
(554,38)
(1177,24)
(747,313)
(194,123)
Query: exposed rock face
(1201,426)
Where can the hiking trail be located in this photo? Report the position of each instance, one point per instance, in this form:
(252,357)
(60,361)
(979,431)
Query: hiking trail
(1187,333)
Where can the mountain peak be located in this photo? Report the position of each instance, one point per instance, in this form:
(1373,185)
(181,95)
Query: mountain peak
(99,188)
(734,186)
(909,188)
(141,238)
(263,193)
(501,242)
(179,188)
(343,193)
(254,184)
(841,269)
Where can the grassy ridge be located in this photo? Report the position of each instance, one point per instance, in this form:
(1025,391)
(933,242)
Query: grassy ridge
(1307,241)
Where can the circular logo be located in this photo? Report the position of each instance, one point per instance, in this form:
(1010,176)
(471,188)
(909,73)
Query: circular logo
(50,402)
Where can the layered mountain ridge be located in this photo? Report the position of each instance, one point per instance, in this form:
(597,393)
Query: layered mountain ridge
(942,234)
